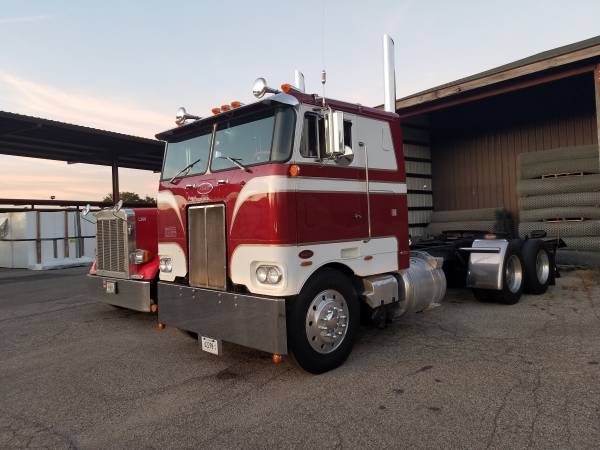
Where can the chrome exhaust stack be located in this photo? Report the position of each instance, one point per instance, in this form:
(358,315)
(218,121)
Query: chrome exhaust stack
(299,80)
(389,74)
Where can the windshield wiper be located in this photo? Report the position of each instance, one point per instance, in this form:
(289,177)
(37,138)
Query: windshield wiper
(234,161)
(186,169)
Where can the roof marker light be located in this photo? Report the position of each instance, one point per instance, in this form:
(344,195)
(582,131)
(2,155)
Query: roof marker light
(216,110)
(236,104)
(225,108)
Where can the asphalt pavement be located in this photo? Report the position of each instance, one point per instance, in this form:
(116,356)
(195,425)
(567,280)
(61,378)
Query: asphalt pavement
(75,373)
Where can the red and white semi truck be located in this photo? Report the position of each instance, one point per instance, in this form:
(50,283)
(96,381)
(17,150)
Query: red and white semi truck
(125,270)
(279,221)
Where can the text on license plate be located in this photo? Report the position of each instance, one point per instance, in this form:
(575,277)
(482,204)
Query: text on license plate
(210,345)
(111,287)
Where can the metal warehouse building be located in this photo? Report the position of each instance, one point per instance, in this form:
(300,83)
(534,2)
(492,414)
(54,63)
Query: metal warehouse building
(463,139)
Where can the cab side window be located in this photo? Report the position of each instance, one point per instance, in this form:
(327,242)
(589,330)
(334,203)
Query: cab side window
(312,144)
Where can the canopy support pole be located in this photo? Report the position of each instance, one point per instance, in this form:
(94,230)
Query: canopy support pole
(115,181)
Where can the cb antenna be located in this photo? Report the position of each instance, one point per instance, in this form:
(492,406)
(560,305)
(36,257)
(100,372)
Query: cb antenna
(323,73)
(323,81)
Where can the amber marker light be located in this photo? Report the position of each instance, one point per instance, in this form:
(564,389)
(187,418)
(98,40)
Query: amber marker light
(286,87)
(236,104)
(216,110)
(368,258)
(225,108)
(154,307)
(161,326)
(294,170)
(277,358)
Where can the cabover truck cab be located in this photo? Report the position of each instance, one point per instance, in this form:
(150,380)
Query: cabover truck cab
(125,270)
(278,218)
(281,223)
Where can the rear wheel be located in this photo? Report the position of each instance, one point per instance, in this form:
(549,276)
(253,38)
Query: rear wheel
(322,321)
(536,261)
(512,278)
(512,272)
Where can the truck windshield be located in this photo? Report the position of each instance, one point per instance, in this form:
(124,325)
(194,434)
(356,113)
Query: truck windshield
(239,142)
(263,138)
(182,155)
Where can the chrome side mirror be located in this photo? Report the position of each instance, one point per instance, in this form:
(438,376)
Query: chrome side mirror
(260,88)
(86,210)
(182,115)
(334,134)
(118,206)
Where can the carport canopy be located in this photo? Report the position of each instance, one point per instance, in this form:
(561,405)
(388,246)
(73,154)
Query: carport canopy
(35,137)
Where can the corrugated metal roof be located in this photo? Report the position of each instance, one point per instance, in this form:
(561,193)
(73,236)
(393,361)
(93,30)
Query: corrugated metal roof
(538,57)
(36,137)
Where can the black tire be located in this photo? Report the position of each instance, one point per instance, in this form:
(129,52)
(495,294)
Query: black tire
(537,267)
(298,319)
(560,185)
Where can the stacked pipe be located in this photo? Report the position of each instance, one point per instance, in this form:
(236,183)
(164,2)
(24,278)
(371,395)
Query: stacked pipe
(559,193)
(492,220)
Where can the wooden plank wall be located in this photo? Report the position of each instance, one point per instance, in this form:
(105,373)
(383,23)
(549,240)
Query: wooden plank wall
(474,146)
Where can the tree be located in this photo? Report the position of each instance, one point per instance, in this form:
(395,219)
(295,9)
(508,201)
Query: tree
(130,197)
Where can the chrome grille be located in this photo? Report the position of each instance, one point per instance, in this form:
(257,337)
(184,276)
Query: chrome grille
(207,247)
(111,245)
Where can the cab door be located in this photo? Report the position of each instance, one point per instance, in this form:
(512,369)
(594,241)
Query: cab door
(331,194)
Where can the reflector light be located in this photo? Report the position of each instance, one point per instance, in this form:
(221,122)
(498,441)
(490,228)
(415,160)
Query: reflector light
(236,104)
(306,263)
(225,108)
(216,110)
(294,170)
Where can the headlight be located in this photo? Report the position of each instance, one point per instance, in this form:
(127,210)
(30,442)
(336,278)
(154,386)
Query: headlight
(268,274)
(166,265)
(141,256)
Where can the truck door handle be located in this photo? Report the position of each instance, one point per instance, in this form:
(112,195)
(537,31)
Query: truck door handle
(190,186)
(357,216)
(222,181)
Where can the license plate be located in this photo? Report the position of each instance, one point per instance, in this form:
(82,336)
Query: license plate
(111,287)
(210,345)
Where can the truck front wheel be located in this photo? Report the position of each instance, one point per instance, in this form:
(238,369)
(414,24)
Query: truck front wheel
(323,321)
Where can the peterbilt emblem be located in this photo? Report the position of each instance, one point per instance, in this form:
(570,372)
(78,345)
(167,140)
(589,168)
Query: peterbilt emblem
(204,188)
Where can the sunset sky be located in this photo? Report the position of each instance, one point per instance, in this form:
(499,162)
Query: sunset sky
(127,66)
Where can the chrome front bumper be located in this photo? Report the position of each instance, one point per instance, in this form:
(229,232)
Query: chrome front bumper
(130,294)
(248,320)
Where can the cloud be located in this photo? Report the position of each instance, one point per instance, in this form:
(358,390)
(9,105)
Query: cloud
(9,20)
(28,97)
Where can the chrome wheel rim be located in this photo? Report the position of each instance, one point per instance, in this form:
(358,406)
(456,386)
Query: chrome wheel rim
(327,321)
(542,266)
(513,273)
